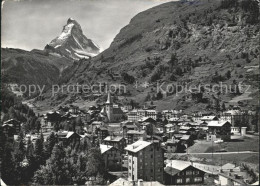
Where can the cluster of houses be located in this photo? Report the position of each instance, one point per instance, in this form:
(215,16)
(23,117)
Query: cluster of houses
(136,141)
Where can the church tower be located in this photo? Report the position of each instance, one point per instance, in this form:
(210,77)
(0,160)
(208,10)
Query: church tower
(109,108)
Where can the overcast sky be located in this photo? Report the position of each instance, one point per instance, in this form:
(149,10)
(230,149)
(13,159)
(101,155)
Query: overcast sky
(30,24)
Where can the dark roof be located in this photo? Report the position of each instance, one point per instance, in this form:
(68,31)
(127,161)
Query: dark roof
(130,126)
(171,171)
(102,128)
(117,111)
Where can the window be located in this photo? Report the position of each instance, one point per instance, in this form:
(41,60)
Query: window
(187,180)
(179,180)
(197,179)
(151,156)
(188,172)
(196,172)
(129,167)
(151,170)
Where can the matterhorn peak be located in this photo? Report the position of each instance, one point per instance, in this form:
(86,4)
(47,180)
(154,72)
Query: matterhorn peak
(73,21)
(72,43)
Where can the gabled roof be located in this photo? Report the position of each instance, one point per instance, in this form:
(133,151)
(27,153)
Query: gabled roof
(176,166)
(146,119)
(171,171)
(105,148)
(229,166)
(173,119)
(11,121)
(113,138)
(137,146)
(123,182)
(117,111)
(218,123)
(8,125)
(135,132)
(208,118)
(69,134)
(120,182)
(169,125)
(130,126)
(185,137)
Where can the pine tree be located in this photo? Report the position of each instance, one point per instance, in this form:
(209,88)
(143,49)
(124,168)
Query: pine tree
(20,150)
(56,171)
(8,166)
(51,141)
(223,106)
(95,162)
(173,62)
(39,151)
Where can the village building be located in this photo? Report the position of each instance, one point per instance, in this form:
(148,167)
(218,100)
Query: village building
(8,131)
(112,157)
(140,182)
(95,125)
(136,115)
(15,124)
(68,138)
(171,145)
(116,141)
(134,135)
(217,129)
(127,127)
(183,173)
(209,118)
(102,133)
(230,174)
(145,161)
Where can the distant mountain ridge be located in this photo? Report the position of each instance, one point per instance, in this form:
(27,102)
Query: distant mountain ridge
(31,67)
(72,43)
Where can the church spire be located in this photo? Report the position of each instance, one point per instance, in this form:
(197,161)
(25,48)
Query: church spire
(109,98)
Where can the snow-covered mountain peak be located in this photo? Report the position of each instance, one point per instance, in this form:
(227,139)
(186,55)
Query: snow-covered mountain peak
(72,43)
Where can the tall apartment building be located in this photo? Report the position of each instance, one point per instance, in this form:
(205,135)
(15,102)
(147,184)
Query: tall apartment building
(145,161)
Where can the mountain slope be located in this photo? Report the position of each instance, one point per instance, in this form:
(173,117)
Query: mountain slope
(206,42)
(31,67)
(72,43)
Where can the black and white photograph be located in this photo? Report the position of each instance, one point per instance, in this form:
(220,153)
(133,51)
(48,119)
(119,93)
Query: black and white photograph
(130,92)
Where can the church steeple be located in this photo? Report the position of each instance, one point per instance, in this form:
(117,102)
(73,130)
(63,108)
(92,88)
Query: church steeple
(109,108)
(108,99)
